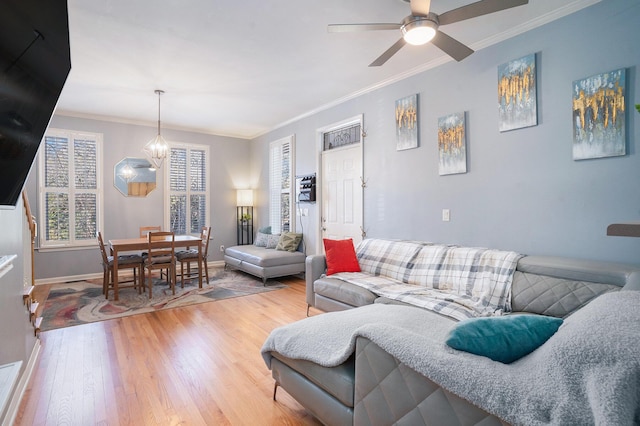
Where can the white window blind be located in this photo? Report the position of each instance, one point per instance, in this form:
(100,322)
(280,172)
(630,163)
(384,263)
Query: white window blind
(188,193)
(281,169)
(70,193)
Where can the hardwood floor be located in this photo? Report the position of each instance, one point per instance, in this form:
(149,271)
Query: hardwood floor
(196,365)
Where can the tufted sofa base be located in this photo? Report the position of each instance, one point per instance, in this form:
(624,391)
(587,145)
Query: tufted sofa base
(388,392)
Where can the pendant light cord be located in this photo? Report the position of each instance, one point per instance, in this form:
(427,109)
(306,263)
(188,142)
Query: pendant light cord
(159,92)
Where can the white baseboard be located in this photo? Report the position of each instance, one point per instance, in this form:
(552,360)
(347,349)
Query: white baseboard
(12,411)
(85,277)
(70,278)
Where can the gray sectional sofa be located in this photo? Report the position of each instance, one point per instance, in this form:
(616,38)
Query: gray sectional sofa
(380,359)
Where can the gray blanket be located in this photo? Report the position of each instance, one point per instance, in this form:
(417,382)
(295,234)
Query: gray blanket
(587,373)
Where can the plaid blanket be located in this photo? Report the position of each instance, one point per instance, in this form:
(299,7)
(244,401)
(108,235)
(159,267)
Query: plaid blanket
(459,282)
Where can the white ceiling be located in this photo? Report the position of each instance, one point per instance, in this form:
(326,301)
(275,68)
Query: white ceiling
(243,68)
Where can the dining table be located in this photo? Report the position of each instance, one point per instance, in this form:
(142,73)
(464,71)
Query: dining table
(119,246)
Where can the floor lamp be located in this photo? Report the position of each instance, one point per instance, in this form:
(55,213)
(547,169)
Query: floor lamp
(244,213)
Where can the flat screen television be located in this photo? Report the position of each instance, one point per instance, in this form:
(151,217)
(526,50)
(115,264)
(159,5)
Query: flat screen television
(35,61)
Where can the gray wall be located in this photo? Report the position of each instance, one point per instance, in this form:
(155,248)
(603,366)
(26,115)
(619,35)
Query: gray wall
(229,163)
(523,191)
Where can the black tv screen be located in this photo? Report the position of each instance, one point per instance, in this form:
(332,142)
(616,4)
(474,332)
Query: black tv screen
(34,64)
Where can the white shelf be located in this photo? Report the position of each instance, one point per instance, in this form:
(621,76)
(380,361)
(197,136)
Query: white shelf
(6,263)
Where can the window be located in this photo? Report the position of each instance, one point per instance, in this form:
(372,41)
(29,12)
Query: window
(70,190)
(281,196)
(188,194)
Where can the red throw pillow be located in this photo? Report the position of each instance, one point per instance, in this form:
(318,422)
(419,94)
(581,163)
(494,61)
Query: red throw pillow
(341,256)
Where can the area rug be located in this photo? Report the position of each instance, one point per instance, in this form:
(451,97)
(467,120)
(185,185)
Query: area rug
(82,302)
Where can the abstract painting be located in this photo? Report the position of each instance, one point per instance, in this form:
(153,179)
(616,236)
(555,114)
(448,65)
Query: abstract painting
(517,99)
(598,116)
(452,150)
(407,122)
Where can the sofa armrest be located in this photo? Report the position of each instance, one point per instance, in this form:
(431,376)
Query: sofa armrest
(316,265)
(633,282)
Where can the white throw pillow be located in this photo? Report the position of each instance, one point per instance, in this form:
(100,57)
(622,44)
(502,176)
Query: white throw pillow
(272,240)
(261,240)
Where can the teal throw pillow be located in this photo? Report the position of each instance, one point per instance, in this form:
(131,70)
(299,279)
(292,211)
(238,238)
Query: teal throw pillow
(265,229)
(504,339)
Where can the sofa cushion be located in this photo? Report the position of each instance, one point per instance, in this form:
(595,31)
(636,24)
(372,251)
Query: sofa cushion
(264,257)
(289,241)
(557,297)
(341,256)
(344,292)
(338,381)
(389,258)
(504,339)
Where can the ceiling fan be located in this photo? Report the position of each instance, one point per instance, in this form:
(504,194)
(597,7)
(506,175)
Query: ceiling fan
(422,26)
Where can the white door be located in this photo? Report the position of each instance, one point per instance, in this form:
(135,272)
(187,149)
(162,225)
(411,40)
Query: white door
(342,193)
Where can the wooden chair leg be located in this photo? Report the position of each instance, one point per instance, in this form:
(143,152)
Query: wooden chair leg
(109,282)
(173,281)
(105,282)
(143,279)
(150,284)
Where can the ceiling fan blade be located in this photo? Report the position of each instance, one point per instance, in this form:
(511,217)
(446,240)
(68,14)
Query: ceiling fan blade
(479,8)
(389,53)
(451,46)
(345,28)
(420,7)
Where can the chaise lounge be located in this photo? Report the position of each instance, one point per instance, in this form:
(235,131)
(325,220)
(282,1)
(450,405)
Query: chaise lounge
(280,258)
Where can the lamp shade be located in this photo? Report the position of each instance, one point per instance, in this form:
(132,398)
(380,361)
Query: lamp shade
(244,198)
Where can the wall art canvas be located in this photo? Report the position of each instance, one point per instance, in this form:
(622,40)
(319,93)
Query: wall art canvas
(517,98)
(452,149)
(407,122)
(598,116)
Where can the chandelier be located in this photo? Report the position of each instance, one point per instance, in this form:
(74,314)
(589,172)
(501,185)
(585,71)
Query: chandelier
(157,148)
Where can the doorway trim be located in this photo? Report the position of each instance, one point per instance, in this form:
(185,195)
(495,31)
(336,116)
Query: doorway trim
(357,119)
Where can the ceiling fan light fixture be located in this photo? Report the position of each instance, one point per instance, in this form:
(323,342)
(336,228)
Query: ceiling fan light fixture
(419,31)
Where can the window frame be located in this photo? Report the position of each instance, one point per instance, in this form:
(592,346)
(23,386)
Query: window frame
(167,184)
(276,226)
(72,243)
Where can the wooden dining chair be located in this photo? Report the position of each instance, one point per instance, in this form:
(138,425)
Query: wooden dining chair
(161,255)
(125,261)
(191,255)
(144,230)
